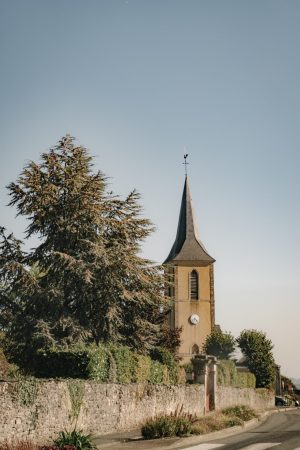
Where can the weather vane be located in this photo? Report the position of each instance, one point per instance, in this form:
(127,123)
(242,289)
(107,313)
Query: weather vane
(185,163)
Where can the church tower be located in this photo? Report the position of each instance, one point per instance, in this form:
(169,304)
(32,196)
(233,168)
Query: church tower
(190,268)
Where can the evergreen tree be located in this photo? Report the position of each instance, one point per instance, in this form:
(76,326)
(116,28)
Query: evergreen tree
(257,349)
(86,279)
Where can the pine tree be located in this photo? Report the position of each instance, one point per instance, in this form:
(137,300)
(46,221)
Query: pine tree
(86,280)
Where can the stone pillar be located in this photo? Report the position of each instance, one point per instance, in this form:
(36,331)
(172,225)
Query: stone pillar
(212,381)
(205,372)
(199,369)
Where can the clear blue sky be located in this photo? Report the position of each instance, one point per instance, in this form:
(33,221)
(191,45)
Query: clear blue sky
(137,81)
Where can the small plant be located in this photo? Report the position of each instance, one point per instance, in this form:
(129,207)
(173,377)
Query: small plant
(75,438)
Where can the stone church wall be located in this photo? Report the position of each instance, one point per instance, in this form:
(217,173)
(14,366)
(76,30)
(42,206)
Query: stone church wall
(40,409)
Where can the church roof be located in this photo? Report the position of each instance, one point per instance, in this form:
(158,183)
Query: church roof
(188,247)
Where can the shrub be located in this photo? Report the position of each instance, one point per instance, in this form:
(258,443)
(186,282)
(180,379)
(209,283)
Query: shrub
(242,412)
(166,426)
(75,438)
(183,426)
(160,427)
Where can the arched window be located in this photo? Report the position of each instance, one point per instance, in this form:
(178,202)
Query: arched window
(195,349)
(194,285)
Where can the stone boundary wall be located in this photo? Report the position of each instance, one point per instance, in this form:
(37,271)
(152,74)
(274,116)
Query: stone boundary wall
(258,399)
(39,409)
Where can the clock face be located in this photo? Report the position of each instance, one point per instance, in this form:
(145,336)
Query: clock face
(194,319)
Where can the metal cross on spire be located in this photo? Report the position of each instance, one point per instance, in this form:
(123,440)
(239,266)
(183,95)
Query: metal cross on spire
(185,163)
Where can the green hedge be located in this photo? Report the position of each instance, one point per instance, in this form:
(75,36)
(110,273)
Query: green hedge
(246,380)
(227,375)
(164,357)
(111,363)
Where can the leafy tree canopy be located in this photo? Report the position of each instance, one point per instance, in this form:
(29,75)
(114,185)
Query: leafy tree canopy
(257,349)
(86,280)
(220,344)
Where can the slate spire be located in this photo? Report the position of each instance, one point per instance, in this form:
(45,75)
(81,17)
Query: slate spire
(188,247)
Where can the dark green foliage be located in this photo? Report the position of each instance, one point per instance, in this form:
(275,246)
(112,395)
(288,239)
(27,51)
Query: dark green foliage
(165,357)
(85,281)
(166,426)
(257,349)
(170,338)
(243,412)
(77,438)
(220,344)
(227,375)
(62,363)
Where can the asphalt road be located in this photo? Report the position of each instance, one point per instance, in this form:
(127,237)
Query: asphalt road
(280,431)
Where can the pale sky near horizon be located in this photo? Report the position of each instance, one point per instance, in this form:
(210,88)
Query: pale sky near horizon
(136,82)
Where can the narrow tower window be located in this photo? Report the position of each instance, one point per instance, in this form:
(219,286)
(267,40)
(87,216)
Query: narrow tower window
(194,285)
(195,349)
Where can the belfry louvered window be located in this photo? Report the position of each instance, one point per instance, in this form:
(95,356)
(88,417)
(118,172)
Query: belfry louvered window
(194,285)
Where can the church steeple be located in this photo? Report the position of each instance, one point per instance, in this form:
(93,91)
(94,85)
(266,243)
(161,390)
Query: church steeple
(188,248)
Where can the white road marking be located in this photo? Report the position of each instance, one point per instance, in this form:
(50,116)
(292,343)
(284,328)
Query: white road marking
(205,447)
(261,446)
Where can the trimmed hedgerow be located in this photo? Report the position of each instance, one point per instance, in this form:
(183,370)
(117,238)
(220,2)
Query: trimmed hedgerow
(156,373)
(142,369)
(107,363)
(125,363)
(166,358)
(98,368)
(245,380)
(226,373)
(57,363)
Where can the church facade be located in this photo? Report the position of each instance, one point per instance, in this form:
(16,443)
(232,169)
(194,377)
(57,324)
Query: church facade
(190,270)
